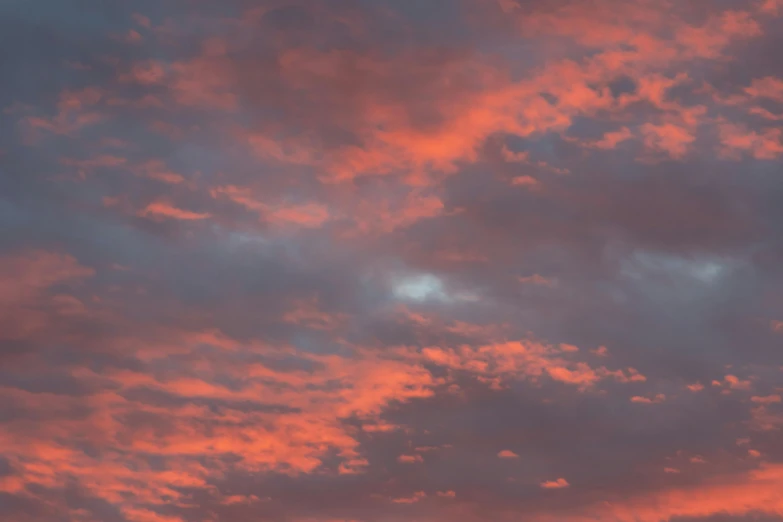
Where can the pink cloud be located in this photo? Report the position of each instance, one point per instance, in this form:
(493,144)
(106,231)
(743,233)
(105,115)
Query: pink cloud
(165,210)
(736,139)
(555,484)
(525,159)
(410,459)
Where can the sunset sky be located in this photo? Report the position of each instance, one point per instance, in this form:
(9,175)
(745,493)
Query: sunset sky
(391,260)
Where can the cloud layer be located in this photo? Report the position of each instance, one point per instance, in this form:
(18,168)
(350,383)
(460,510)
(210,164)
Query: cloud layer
(380,261)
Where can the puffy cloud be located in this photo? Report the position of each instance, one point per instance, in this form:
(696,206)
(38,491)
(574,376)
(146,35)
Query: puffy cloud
(555,484)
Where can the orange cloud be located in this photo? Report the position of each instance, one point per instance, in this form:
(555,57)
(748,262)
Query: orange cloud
(354,147)
(732,382)
(526,360)
(769,399)
(755,492)
(525,181)
(537,279)
(646,400)
(642,43)
(669,138)
(295,442)
(308,313)
(709,40)
(76,109)
(410,459)
(555,484)
(157,170)
(165,210)
(767,87)
(410,500)
(307,215)
(203,82)
(25,302)
(610,140)
(736,139)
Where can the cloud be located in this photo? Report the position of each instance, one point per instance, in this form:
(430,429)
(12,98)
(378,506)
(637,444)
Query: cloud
(555,484)
(320,261)
(164,210)
(28,301)
(410,459)
(752,493)
(735,139)
(647,400)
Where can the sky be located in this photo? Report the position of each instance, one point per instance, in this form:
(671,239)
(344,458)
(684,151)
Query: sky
(391,261)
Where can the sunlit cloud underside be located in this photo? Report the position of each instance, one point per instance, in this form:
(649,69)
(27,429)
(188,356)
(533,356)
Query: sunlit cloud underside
(391,261)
